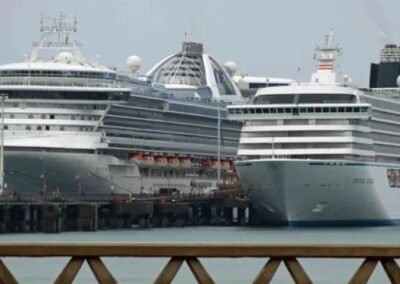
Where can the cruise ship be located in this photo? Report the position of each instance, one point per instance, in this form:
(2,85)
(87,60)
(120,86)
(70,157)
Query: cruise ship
(322,153)
(72,126)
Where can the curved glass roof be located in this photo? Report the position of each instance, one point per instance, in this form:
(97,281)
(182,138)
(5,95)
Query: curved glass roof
(194,68)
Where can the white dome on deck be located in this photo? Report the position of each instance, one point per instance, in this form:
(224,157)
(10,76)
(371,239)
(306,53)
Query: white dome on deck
(134,62)
(65,56)
(192,67)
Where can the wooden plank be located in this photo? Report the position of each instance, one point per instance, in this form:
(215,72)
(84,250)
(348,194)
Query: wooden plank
(392,269)
(296,271)
(100,271)
(5,274)
(70,270)
(198,270)
(364,272)
(168,273)
(268,271)
(198,250)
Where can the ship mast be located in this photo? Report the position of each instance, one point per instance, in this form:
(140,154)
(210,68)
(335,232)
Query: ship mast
(326,57)
(57,35)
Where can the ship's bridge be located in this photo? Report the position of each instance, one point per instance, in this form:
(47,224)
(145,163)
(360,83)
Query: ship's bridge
(307,94)
(192,73)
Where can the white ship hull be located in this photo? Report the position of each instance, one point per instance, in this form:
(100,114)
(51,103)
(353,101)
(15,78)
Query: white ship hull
(85,173)
(322,192)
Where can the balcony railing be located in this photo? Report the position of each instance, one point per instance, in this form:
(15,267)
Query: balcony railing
(190,253)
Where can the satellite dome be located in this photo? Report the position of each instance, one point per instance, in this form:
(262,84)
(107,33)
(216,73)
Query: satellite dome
(65,56)
(134,62)
(230,67)
(398,81)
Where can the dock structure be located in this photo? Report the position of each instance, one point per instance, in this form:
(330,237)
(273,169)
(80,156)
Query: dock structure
(192,254)
(53,214)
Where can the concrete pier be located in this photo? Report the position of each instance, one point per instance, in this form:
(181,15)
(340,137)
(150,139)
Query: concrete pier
(85,213)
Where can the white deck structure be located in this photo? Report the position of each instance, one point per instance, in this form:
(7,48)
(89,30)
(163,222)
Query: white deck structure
(322,152)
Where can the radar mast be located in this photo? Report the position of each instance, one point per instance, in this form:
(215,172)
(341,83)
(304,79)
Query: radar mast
(57,36)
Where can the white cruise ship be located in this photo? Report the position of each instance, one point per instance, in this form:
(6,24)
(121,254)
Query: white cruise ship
(77,127)
(322,153)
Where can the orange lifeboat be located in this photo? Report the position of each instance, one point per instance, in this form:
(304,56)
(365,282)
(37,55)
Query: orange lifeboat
(148,159)
(214,164)
(184,162)
(161,160)
(172,161)
(206,163)
(137,156)
(225,164)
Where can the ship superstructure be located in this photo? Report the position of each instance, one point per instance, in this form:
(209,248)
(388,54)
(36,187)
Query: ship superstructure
(76,126)
(322,153)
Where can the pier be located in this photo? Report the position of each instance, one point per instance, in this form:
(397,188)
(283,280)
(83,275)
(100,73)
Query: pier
(55,213)
(275,255)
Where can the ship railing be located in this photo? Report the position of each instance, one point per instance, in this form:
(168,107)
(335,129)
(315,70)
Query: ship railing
(53,81)
(192,254)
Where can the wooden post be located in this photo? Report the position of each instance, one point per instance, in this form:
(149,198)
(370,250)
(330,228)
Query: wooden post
(100,271)
(364,271)
(70,270)
(268,271)
(5,274)
(198,271)
(392,269)
(167,275)
(296,271)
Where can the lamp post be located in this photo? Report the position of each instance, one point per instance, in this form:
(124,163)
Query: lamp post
(219,144)
(3,97)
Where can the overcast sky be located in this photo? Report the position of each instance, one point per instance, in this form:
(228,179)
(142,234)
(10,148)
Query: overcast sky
(264,37)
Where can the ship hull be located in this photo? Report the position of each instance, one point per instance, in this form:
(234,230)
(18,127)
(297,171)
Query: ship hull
(322,193)
(87,173)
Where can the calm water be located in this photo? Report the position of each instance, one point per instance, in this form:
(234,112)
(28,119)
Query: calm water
(139,270)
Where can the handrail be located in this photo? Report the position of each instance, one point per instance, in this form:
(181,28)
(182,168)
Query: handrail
(179,253)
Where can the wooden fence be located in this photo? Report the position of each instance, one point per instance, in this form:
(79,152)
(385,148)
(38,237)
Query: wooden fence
(190,253)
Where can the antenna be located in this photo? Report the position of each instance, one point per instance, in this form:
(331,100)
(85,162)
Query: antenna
(58,35)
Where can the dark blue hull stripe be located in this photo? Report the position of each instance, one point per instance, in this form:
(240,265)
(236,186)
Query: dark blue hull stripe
(344,223)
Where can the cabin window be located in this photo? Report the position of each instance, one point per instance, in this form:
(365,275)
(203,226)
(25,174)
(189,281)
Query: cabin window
(38,127)
(30,116)
(47,127)
(28,127)
(51,116)
(43,116)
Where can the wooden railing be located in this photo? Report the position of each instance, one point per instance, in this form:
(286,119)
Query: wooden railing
(189,253)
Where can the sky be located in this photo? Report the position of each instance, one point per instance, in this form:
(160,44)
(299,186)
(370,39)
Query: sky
(274,38)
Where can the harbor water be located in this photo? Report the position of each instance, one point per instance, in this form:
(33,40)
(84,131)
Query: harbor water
(241,270)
